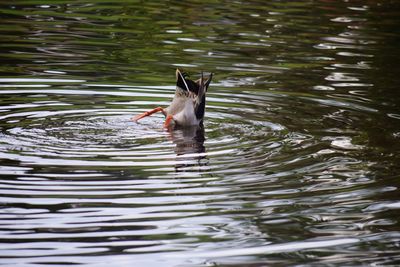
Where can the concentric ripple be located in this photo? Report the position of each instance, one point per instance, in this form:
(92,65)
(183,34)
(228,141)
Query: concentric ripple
(61,133)
(103,183)
(99,183)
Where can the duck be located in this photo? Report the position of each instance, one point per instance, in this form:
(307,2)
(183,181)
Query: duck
(188,105)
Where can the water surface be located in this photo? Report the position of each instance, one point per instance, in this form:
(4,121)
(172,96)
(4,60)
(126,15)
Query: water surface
(297,162)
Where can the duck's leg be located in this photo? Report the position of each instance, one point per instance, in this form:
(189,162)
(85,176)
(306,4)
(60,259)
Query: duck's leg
(148,113)
(168,121)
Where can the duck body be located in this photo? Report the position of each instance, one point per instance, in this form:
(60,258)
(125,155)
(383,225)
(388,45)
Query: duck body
(183,111)
(188,105)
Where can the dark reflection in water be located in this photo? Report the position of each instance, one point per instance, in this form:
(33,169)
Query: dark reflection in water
(297,162)
(189,143)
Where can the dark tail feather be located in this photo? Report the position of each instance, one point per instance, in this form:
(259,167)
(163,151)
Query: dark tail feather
(180,81)
(208,80)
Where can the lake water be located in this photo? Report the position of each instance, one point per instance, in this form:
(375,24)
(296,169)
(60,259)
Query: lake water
(297,164)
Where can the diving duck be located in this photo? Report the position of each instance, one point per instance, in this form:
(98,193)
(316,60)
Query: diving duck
(188,105)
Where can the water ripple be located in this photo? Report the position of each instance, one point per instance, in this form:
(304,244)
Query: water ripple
(296,163)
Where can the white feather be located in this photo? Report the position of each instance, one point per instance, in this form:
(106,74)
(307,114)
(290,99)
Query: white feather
(186,116)
(184,81)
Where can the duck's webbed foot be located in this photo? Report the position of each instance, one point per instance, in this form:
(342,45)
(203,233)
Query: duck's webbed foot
(147,113)
(168,121)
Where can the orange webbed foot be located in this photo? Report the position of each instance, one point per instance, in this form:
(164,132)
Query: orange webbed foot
(168,120)
(147,113)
